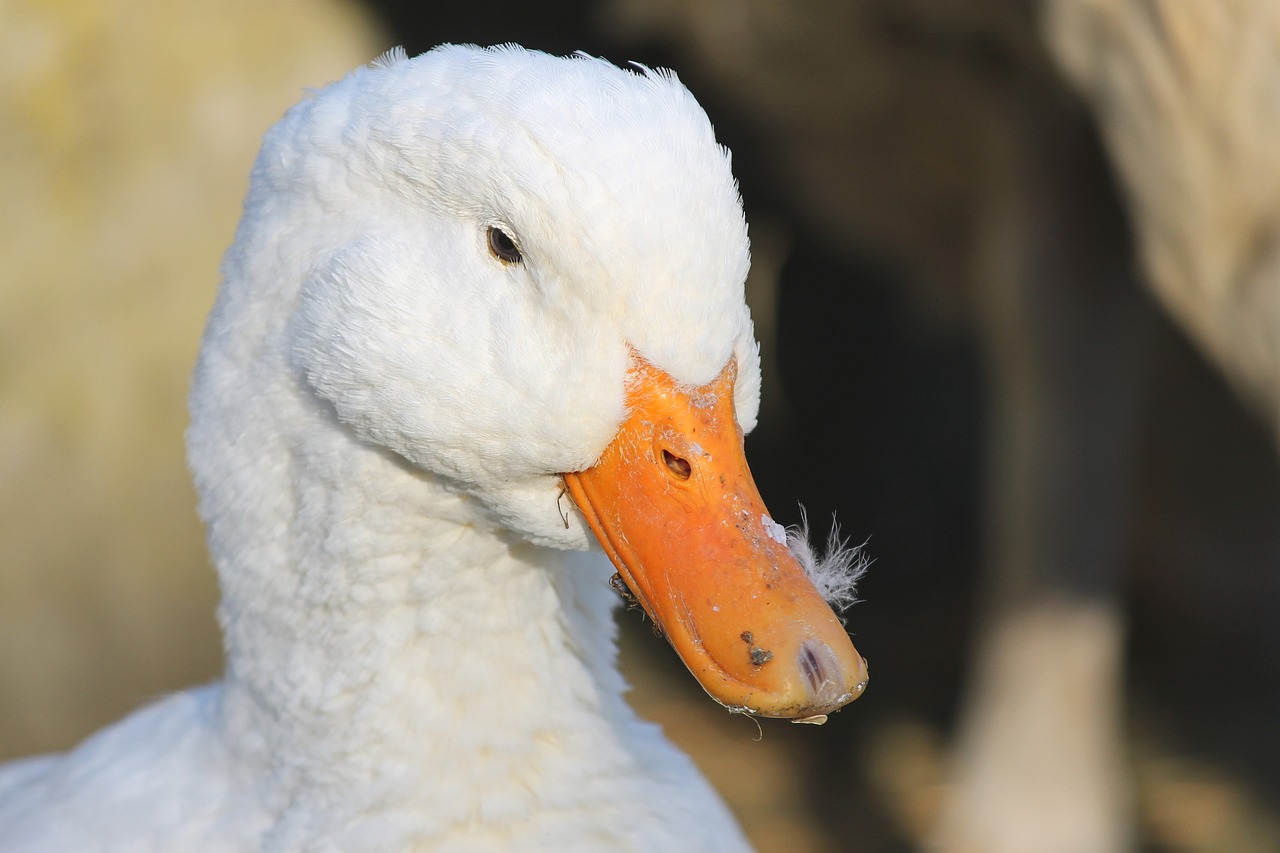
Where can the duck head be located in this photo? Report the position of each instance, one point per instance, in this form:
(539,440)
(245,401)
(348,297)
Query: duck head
(516,274)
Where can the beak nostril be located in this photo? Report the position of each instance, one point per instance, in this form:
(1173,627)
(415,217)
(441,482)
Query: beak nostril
(679,468)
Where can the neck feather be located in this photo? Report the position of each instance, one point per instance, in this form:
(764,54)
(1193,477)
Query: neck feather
(400,670)
(388,650)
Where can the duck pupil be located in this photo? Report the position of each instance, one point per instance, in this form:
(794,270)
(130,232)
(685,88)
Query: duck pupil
(502,246)
(680,468)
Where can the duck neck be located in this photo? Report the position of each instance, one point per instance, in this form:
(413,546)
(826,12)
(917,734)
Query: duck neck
(378,631)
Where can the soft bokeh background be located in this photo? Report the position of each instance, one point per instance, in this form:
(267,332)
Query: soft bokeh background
(873,140)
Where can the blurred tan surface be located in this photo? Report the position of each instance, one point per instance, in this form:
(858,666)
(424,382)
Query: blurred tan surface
(1187,96)
(127,129)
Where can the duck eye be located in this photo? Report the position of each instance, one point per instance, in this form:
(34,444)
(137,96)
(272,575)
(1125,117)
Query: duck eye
(679,468)
(503,247)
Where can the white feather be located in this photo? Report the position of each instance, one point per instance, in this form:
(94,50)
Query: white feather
(837,571)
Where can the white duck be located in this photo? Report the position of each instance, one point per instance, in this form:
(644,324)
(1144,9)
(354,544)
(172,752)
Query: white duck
(457,278)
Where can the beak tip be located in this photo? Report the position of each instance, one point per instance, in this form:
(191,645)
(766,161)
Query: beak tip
(829,682)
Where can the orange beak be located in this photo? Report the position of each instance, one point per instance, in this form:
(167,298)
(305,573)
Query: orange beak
(674,505)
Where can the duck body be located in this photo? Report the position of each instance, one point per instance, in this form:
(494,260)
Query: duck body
(421,652)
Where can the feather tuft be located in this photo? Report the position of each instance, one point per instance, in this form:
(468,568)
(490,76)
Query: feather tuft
(835,573)
(390,58)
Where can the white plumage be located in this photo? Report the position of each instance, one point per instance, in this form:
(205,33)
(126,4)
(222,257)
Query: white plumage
(419,653)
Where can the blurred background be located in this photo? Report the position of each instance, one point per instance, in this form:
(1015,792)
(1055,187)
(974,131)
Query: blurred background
(1016,269)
